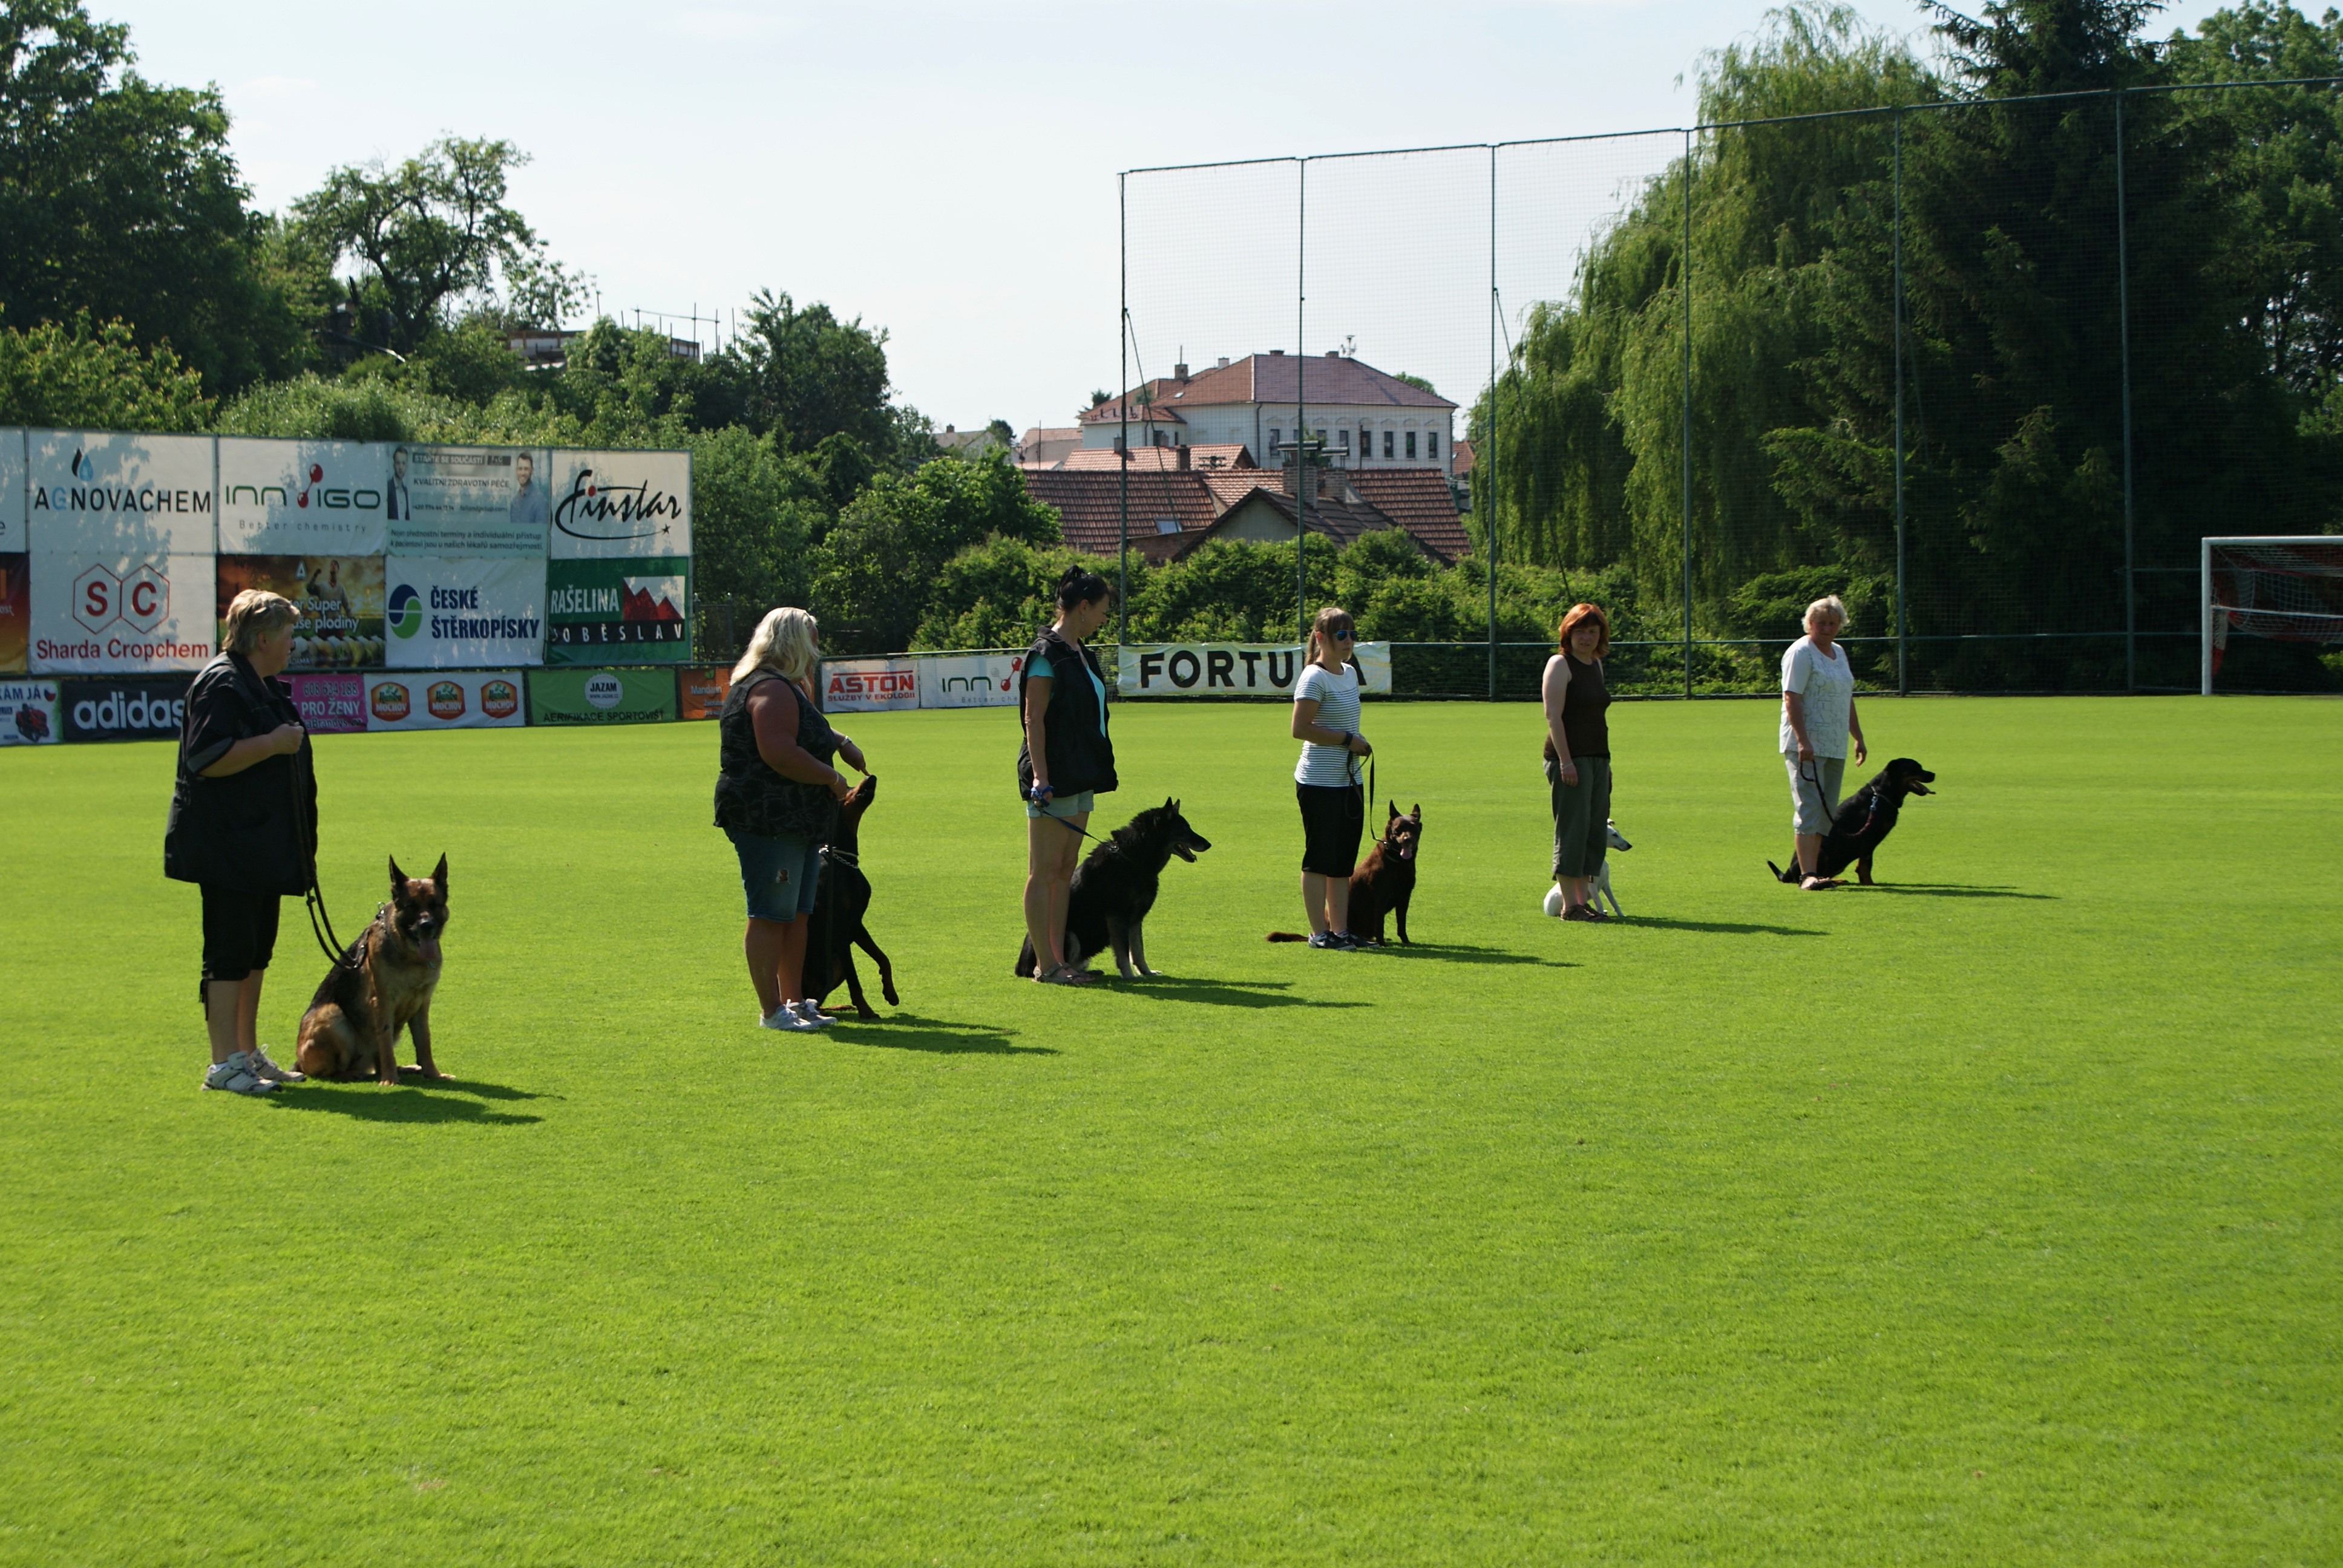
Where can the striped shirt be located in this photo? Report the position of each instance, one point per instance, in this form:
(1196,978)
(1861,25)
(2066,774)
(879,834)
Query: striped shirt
(1338,709)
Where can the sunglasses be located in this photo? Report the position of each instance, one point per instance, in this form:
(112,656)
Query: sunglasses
(1345,635)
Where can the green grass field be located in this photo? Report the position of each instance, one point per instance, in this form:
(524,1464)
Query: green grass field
(1987,1216)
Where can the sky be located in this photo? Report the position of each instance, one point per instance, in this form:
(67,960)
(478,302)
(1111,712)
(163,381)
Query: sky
(948,173)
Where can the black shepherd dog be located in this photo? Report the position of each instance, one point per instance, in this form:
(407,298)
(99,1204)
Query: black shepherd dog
(1863,819)
(1114,887)
(840,900)
(1383,882)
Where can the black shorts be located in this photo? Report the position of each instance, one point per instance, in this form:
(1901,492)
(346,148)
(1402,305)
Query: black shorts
(239,932)
(1333,817)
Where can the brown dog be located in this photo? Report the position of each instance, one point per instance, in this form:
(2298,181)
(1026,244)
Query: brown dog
(381,985)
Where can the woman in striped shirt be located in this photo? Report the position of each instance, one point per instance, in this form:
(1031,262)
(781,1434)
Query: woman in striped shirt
(1326,779)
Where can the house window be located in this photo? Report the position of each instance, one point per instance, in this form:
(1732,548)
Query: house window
(1162,439)
(1273,434)
(1432,443)
(1366,442)
(1411,443)
(1387,446)
(1346,441)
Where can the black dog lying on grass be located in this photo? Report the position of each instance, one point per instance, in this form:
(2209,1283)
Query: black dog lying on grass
(1865,820)
(1115,886)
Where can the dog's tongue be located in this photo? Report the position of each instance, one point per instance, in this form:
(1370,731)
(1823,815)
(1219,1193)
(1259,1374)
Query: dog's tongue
(431,949)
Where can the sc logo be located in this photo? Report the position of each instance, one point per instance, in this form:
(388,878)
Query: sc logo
(141,598)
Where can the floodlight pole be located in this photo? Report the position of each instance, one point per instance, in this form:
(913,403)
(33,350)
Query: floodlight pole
(1902,671)
(1488,452)
(2123,313)
(1122,398)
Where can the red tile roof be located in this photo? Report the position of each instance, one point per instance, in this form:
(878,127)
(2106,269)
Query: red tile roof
(1417,500)
(1089,507)
(1326,378)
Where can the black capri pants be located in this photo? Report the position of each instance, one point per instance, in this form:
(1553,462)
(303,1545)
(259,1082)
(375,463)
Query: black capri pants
(1332,817)
(239,931)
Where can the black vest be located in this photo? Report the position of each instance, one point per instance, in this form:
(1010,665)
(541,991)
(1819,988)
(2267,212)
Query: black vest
(750,797)
(255,831)
(1081,755)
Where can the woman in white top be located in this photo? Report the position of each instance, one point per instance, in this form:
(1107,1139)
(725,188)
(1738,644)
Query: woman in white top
(1327,780)
(1817,718)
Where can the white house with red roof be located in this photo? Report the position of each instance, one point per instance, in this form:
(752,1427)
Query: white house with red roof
(1358,416)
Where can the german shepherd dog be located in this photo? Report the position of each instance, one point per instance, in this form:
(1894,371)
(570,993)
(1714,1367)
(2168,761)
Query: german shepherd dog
(1865,818)
(382,984)
(840,900)
(1115,886)
(1385,879)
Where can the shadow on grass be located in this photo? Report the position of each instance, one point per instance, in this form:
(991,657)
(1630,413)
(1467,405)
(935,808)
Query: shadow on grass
(1951,891)
(1465,953)
(415,1100)
(910,1031)
(1221,993)
(1719,928)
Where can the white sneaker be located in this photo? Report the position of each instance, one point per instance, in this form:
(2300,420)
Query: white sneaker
(812,1014)
(783,1019)
(264,1067)
(237,1076)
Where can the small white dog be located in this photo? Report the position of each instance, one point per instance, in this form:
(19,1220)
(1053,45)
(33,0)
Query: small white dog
(1601,882)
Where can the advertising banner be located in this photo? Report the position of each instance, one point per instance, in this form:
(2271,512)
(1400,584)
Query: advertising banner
(1232,668)
(302,498)
(340,598)
(458,699)
(15,611)
(618,611)
(121,614)
(444,613)
(468,502)
(28,713)
(124,708)
(620,505)
(12,498)
(969,679)
(329,704)
(868,685)
(103,493)
(601,696)
(700,690)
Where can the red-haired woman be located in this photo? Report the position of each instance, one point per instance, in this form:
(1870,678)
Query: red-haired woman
(1578,756)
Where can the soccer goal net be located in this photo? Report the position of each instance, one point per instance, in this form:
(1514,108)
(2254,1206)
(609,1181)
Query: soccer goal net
(2286,590)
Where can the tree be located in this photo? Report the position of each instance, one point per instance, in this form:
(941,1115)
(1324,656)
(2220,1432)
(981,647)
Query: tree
(430,232)
(876,568)
(95,377)
(119,198)
(811,375)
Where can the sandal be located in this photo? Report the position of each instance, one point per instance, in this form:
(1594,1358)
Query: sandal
(1819,884)
(1065,974)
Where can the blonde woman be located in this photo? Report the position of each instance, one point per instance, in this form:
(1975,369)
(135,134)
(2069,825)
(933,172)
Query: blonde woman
(777,800)
(1326,778)
(1817,718)
(243,827)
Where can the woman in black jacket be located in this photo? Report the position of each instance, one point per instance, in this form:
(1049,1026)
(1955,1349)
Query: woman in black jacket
(243,827)
(1066,759)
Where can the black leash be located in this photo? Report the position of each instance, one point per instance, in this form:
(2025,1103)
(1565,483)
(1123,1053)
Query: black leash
(313,900)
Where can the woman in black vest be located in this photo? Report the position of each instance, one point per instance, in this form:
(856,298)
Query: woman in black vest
(243,827)
(1578,758)
(1065,759)
(777,800)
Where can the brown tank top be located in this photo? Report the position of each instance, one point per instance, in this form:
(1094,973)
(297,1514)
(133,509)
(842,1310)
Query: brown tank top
(1584,722)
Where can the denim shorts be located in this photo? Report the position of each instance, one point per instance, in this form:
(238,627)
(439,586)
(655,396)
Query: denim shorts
(1060,806)
(778,874)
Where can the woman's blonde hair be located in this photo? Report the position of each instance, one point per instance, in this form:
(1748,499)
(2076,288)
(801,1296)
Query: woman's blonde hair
(1325,622)
(783,644)
(253,614)
(1830,605)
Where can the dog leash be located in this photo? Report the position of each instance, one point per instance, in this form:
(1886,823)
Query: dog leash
(312,899)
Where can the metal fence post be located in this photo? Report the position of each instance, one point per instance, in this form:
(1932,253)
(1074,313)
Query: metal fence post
(1683,279)
(2123,312)
(1489,437)
(1302,477)
(1903,668)
(1123,465)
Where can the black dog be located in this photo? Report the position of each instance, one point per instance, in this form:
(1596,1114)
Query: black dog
(1114,887)
(1384,882)
(840,900)
(1865,818)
